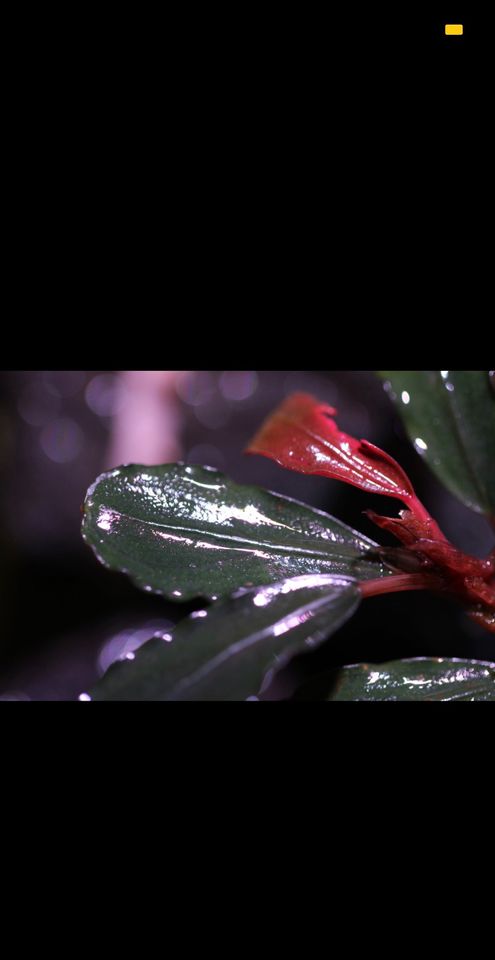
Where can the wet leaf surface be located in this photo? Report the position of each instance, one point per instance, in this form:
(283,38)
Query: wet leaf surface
(450,418)
(189,531)
(231,650)
(418,679)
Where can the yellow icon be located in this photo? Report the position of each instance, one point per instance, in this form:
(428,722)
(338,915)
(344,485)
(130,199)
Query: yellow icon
(454,29)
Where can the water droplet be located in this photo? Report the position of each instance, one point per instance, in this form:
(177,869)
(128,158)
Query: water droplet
(84,696)
(374,676)
(405,397)
(106,519)
(420,445)
(262,599)
(199,613)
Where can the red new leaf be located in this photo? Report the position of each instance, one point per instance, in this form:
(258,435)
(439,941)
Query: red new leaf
(302,435)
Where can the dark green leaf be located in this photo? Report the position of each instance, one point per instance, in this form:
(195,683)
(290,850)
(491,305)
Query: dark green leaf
(188,531)
(450,418)
(230,651)
(421,679)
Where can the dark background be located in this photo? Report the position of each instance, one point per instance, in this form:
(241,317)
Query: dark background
(64,617)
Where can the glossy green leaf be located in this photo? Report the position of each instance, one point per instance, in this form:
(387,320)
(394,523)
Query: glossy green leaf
(188,531)
(419,679)
(450,418)
(230,651)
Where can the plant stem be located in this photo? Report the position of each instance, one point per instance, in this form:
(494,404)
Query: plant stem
(396,584)
(421,513)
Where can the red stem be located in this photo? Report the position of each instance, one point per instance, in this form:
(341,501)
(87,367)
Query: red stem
(396,584)
(421,513)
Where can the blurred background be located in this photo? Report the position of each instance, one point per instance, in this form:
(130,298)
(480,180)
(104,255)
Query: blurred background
(64,618)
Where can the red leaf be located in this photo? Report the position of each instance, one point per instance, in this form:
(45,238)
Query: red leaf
(301,435)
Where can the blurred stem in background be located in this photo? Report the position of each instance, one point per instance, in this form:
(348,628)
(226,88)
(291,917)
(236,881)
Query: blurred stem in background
(148,429)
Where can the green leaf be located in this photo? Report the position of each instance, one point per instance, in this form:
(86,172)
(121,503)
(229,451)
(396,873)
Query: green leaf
(420,679)
(231,651)
(450,417)
(188,531)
